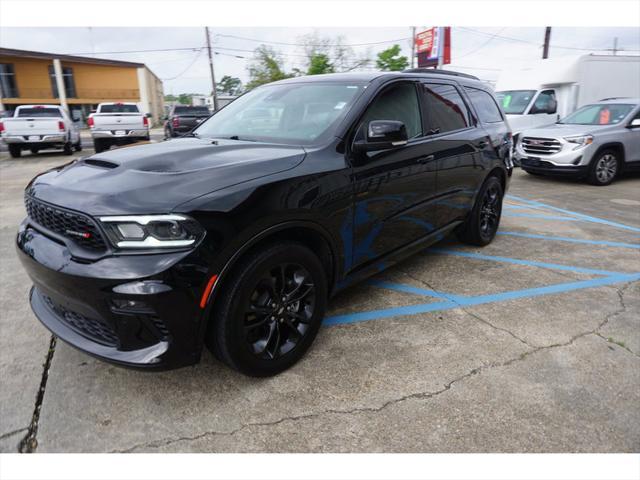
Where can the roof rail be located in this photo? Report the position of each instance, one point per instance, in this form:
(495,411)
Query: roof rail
(439,72)
(611,98)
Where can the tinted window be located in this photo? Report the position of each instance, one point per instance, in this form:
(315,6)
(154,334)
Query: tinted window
(398,102)
(119,108)
(544,101)
(39,112)
(515,101)
(446,110)
(8,81)
(485,105)
(191,111)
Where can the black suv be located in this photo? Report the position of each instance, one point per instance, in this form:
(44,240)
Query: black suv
(183,118)
(236,235)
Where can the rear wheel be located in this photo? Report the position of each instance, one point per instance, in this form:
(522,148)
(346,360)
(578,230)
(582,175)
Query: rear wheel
(78,146)
(68,148)
(604,168)
(269,314)
(99,145)
(482,223)
(15,151)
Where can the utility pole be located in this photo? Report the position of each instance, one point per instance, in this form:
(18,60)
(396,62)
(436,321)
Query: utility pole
(615,45)
(413,47)
(547,38)
(214,94)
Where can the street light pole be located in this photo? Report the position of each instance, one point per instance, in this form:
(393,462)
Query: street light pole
(413,46)
(547,38)
(214,93)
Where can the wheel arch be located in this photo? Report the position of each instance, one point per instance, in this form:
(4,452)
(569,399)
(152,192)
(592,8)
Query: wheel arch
(617,146)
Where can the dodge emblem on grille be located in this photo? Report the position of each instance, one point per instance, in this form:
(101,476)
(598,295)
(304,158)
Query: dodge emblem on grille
(78,234)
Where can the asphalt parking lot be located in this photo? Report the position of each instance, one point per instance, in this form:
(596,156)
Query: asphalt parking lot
(531,344)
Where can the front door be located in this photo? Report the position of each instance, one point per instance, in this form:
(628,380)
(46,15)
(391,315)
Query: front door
(394,188)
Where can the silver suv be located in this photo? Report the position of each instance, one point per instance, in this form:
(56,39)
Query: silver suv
(595,142)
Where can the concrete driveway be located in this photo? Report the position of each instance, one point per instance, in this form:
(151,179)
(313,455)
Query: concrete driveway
(531,344)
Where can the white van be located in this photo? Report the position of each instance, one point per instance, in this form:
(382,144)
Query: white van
(542,92)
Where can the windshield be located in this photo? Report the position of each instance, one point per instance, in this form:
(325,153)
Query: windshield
(39,112)
(603,114)
(191,111)
(295,113)
(515,101)
(119,108)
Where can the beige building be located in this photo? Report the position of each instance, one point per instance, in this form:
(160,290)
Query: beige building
(77,83)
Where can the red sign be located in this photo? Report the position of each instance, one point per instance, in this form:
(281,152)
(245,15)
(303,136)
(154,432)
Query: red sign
(433,46)
(425,41)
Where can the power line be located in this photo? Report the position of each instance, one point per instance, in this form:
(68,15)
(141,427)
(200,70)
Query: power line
(188,67)
(193,49)
(311,44)
(491,38)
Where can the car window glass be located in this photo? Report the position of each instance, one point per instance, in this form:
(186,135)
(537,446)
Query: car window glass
(39,112)
(486,107)
(599,114)
(118,108)
(543,101)
(398,102)
(446,110)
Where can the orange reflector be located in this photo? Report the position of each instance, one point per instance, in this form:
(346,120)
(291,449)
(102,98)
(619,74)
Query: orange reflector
(207,291)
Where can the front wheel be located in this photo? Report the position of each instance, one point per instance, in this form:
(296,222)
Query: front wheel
(67,149)
(269,314)
(482,223)
(604,168)
(99,145)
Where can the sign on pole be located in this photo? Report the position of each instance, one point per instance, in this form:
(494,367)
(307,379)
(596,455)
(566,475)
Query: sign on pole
(434,47)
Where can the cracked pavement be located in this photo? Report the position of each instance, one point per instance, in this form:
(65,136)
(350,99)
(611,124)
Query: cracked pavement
(554,373)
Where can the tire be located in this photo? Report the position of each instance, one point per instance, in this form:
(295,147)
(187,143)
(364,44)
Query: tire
(67,149)
(482,223)
(262,344)
(78,146)
(15,151)
(99,145)
(34,151)
(604,168)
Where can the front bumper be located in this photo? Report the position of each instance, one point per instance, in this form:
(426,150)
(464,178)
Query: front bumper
(117,134)
(89,304)
(569,161)
(32,140)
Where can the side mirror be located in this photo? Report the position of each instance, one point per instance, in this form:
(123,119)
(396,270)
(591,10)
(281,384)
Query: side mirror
(635,123)
(552,107)
(381,135)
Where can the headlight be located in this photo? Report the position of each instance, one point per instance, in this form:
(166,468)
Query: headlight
(152,231)
(580,140)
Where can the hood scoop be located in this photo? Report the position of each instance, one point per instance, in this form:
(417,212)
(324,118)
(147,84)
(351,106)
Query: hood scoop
(96,162)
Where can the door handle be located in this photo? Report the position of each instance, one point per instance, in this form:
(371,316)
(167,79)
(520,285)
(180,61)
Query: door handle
(426,159)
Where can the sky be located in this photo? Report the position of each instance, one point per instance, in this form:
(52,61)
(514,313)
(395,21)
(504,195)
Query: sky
(481,51)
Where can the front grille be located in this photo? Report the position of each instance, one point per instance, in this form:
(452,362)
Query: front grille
(541,146)
(74,226)
(93,329)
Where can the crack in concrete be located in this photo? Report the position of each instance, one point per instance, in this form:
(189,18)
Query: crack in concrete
(29,443)
(620,291)
(474,315)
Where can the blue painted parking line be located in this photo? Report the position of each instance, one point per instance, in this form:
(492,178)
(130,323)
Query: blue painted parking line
(571,240)
(580,216)
(529,263)
(400,287)
(542,216)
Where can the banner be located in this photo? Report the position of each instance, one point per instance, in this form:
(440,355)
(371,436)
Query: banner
(433,47)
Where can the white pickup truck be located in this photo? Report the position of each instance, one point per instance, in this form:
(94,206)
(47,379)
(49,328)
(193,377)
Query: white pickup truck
(117,124)
(39,127)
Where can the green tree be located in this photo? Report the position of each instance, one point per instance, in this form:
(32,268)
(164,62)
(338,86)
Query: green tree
(390,60)
(319,63)
(184,99)
(229,85)
(170,98)
(266,67)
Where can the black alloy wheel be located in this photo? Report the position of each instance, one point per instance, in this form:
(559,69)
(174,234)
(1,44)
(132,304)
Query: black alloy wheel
(483,221)
(279,311)
(268,309)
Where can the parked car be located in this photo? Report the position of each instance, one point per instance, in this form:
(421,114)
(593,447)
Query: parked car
(40,127)
(117,124)
(184,118)
(596,142)
(236,236)
(542,92)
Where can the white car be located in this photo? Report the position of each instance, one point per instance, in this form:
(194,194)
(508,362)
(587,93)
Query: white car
(39,127)
(117,124)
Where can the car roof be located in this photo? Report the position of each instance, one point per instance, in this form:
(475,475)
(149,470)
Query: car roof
(620,100)
(368,77)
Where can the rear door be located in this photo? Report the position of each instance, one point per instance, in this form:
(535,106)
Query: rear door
(36,121)
(118,117)
(458,142)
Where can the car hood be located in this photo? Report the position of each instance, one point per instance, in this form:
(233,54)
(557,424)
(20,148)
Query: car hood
(563,130)
(155,178)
